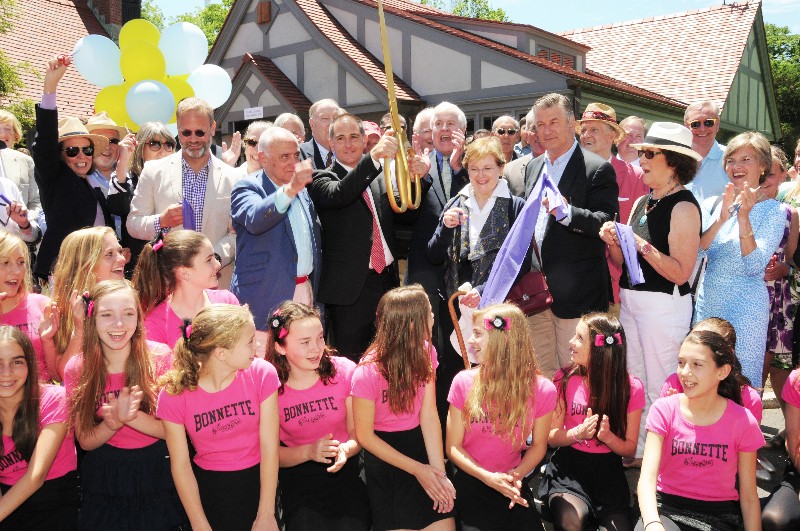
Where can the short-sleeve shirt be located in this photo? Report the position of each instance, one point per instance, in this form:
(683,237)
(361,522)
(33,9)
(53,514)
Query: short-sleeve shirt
(369,383)
(163,324)
(751,400)
(224,426)
(701,462)
(491,451)
(26,316)
(791,393)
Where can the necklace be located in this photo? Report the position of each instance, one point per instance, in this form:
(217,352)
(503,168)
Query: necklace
(648,208)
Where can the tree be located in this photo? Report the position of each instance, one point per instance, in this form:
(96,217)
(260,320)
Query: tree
(784,51)
(471,8)
(153,13)
(209,19)
(10,81)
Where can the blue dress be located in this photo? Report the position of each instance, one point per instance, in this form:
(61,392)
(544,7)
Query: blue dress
(733,287)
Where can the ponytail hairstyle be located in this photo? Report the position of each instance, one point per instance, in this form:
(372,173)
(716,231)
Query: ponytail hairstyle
(279,324)
(504,386)
(401,348)
(154,276)
(606,372)
(139,367)
(8,244)
(728,333)
(722,354)
(25,428)
(215,326)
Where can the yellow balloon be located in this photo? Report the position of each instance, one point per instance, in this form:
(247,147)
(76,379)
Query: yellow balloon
(142,60)
(180,90)
(138,29)
(112,100)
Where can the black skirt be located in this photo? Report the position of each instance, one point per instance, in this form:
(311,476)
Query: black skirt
(229,498)
(700,515)
(129,490)
(309,487)
(597,479)
(396,498)
(480,507)
(53,507)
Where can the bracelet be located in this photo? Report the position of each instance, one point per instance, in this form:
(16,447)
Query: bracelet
(746,235)
(653,522)
(577,439)
(25,228)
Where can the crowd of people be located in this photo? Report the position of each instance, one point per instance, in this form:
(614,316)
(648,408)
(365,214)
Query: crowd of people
(191,342)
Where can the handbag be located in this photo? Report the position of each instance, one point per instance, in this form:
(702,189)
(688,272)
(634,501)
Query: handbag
(531,293)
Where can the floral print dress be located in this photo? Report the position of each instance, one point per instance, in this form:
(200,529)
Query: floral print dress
(782,303)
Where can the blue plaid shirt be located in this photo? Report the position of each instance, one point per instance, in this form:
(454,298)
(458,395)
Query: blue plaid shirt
(193,187)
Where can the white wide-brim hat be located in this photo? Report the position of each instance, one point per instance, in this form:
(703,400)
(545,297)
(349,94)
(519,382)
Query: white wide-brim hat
(670,137)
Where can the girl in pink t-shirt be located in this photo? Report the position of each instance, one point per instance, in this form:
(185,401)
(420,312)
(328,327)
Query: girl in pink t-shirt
(125,477)
(394,405)
(698,442)
(18,306)
(38,479)
(226,400)
(320,486)
(493,410)
(176,277)
(596,423)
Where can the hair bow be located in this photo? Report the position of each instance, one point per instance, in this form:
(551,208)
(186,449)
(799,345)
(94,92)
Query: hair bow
(497,323)
(277,322)
(606,341)
(89,303)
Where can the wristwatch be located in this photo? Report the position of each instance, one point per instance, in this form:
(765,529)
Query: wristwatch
(645,248)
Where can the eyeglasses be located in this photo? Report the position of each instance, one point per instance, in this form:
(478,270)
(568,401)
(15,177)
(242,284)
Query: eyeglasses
(389,126)
(708,122)
(199,133)
(252,142)
(649,153)
(73,151)
(503,131)
(156,145)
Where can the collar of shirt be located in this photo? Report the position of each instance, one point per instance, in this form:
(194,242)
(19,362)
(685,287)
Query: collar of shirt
(716,152)
(322,151)
(97,179)
(556,168)
(187,170)
(501,190)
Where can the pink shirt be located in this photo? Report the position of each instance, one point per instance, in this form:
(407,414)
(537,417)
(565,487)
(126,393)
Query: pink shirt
(700,462)
(370,384)
(126,437)
(490,451)
(224,426)
(751,400)
(52,410)
(164,325)
(790,393)
(26,316)
(631,187)
(577,402)
(310,414)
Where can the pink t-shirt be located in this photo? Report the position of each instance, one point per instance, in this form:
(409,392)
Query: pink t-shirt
(790,393)
(577,402)
(126,437)
(164,325)
(52,410)
(490,451)
(224,426)
(700,462)
(751,400)
(310,414)
(370,384)
(26,316)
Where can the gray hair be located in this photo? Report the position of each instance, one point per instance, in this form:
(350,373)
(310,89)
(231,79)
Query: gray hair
(327,102)
(699,105)
(287,118)
(258,125)
(504,117)
(554,100)
(631,119)
(446,106)
(272,135)
(424,117)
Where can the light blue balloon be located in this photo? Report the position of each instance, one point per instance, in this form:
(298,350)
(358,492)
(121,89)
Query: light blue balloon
(184,46)
(211,83)
(97,59)
(149,101)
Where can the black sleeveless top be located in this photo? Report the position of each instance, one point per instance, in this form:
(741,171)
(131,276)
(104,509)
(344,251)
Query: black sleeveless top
(656,231)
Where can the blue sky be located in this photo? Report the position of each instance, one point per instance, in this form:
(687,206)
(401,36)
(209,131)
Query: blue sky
(573,14)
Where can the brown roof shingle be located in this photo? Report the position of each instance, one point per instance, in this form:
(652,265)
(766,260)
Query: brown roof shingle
(278,79)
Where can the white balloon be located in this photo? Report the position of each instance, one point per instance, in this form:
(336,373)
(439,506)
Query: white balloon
(173,129)
(184,46)
(211,83)
(149,101)
(97,59)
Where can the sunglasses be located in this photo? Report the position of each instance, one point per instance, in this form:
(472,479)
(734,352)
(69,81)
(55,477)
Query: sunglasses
(252,142)
(649,153)
(156,145)
(708,122)
(199,133)
(503,131)
(73,151)
(114,141)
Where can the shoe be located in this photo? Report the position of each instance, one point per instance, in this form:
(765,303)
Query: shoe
(778,441)
(632,462)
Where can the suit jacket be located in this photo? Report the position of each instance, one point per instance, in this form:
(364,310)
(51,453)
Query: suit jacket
(160,185)
(310,150)
(514,173)
(19,169)
(574,256)
(266,254)
(347,227)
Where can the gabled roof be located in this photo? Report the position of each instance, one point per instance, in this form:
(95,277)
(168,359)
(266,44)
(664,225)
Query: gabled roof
(43,29)
(282,84)
(714,38)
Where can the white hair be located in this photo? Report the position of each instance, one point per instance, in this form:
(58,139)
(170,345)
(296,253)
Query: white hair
(446,106)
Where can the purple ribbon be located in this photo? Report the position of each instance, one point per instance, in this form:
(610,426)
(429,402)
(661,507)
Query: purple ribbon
(627,243)
(188,216)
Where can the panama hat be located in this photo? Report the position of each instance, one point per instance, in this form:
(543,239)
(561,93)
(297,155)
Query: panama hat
(599,112)
(671,137)
(102,120)
(73,127)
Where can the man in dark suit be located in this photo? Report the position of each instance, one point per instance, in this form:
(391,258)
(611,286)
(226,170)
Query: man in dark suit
(573,254)
(358,247)
(318,149)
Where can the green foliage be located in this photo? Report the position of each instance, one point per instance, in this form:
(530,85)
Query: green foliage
(784,51)
(438,4)
(209,19)
(479,9)
(152,13)
(25,112)
(10,81)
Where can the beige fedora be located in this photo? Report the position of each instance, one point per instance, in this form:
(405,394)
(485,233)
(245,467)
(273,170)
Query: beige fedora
(599,112)
(671,137)
(102,120)
(72,127)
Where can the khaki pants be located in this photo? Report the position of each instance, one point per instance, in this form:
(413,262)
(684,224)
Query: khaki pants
(551,336)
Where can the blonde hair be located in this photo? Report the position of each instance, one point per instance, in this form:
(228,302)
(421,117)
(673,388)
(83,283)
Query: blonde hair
(488,146)
(503,388)
(215,326)
(195,105)
(10,242)
(7,117)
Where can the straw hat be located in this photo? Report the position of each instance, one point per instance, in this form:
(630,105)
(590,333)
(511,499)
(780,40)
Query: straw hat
(102,120)
(73,127)
(598,112)
(670,137)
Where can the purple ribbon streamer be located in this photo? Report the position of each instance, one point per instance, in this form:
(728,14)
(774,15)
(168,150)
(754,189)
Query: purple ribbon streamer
(627,243)
(188,216)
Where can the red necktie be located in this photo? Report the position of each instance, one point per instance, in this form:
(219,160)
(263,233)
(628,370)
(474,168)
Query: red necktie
(376,256)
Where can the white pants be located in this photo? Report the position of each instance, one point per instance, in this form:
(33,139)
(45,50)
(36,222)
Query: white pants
(655,326)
